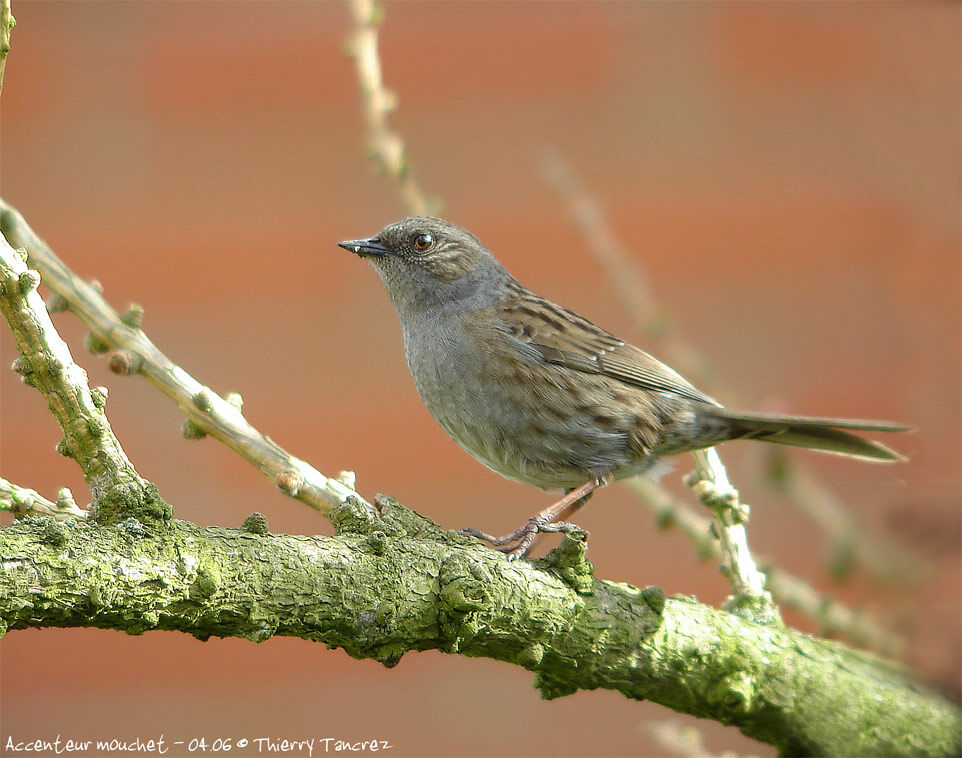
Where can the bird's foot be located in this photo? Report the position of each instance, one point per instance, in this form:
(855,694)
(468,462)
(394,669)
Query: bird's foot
(518,544)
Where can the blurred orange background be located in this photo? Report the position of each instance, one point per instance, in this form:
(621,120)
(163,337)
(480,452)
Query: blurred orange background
(787,174)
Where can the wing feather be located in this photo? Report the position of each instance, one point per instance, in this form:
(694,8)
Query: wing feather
(564,338)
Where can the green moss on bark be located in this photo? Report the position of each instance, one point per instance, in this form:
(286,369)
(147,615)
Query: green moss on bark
(396,582)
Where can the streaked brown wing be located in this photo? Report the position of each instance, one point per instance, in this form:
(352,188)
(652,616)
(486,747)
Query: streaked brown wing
(566,339)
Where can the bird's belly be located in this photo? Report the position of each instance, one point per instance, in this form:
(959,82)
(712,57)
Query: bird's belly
(532,437)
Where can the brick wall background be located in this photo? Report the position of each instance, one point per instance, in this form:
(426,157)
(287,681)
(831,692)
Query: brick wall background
(787,174)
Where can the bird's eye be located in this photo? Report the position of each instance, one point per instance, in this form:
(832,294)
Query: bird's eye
(423,241)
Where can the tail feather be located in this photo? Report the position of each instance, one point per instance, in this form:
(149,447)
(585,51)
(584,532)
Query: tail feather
(829,435)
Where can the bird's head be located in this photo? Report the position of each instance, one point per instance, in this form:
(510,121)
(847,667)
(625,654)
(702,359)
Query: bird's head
(428,262)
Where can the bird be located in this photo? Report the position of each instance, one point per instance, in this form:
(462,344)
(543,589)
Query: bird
(543,396)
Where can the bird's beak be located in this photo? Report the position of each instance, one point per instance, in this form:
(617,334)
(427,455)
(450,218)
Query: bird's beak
(372,246)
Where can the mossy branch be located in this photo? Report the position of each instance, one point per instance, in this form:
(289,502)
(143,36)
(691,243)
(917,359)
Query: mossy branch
(395,582)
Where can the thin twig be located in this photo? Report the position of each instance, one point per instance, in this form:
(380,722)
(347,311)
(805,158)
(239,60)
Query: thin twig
(729,516)
(831,616)
(385,147)
(7,22)
(850,541)
(206,411)
(629,282)
(21,501)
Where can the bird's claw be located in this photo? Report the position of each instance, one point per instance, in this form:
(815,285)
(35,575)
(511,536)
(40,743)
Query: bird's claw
(518,544)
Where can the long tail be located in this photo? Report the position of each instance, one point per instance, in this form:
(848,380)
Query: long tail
(830,435)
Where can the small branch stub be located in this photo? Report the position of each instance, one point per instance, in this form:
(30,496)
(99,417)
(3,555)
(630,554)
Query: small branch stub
(191,431)
(95,345)
(289,482)
(347,478)
(202,401)
(256,523)
(99,396)
(133,316)
(123,363)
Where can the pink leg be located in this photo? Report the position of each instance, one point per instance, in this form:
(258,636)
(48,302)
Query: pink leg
(543,521)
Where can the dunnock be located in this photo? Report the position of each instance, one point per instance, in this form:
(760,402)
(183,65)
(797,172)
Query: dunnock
(542,395)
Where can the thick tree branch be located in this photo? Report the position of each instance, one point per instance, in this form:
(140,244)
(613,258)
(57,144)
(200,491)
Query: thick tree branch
(395,582)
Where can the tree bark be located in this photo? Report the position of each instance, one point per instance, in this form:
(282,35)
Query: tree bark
(385,585)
